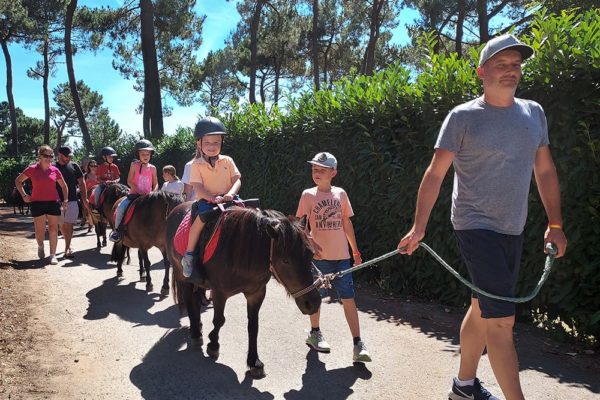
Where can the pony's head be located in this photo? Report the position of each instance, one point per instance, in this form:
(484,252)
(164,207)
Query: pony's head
(291,260)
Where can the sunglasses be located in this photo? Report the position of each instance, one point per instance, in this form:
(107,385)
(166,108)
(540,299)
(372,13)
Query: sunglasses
(47,155)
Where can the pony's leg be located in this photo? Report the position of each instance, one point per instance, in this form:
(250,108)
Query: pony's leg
(147,265)
(142,270)
(193,310)
(98,230)
(164,290)
(254,302)
(212,349)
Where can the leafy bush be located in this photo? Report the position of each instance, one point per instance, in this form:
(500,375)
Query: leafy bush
(10,168)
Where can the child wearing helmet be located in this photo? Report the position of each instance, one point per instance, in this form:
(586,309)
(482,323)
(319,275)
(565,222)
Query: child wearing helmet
(142,180)
(107,172)
(215,179)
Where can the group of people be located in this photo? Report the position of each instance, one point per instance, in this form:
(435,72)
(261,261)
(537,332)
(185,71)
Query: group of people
(494,143)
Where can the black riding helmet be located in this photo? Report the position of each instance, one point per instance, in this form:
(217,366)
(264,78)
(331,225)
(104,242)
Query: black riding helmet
(108,151)
(209,126)
(143,144)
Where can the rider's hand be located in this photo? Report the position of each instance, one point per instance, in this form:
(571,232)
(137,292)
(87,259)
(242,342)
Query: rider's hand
(558,238)
(218,199)
(227,197)
(410,242)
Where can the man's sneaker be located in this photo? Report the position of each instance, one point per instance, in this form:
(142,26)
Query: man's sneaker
(317,342)
(187,263)
(53,260)
(474,391)
(361,354)
(115,236)
(41,253)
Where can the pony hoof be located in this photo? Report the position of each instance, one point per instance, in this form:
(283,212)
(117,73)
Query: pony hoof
(149,288)
(164,291)
(257,373)
(196,343)
(212,353)
(104,243)
(119,274)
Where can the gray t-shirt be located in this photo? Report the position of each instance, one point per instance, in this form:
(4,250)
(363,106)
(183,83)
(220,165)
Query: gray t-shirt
(494,151)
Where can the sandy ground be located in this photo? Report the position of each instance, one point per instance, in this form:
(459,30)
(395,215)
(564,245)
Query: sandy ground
(73,331)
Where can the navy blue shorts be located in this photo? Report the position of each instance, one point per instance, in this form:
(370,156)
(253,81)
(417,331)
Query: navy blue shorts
(39,208)
(344,286)
(492,260)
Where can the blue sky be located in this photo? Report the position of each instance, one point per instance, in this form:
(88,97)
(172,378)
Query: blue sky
(118,94)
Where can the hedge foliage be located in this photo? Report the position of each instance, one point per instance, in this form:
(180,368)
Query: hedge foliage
(382,130)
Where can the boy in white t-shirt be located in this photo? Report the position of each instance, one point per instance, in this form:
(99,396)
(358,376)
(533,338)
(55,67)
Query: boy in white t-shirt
(328,210)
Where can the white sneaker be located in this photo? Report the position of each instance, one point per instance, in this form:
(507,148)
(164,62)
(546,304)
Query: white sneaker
(317,342)
(41,253)
(53,260)
(361,354)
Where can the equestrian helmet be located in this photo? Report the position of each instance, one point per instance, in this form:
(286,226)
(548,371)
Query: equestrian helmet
(209,126)
(143,144)
(108,151)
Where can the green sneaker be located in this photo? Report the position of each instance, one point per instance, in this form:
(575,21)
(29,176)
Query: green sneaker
(317,342)
(361,354)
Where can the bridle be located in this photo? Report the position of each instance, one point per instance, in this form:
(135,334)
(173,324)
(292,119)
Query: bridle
(315,285)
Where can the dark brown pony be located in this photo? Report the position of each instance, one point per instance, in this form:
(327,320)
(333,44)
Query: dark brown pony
(145,230)
(252,243)
(109,195)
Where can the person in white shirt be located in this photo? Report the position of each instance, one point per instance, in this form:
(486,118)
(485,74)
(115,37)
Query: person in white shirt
(172,183)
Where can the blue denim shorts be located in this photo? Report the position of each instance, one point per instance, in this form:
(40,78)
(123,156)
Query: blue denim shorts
(492,260)
(344,285)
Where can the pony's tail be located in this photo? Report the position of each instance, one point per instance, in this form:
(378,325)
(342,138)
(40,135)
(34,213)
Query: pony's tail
(177,290)
(118,253)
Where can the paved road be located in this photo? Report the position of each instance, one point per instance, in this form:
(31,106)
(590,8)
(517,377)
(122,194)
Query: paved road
(113,340)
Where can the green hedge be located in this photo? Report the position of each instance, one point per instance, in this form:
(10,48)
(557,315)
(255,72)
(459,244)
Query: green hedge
(382,130)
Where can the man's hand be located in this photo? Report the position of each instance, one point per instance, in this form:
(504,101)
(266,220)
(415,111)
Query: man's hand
(410,242)
(557,237)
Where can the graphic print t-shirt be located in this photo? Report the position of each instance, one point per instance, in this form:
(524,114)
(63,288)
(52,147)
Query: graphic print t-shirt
(325,212)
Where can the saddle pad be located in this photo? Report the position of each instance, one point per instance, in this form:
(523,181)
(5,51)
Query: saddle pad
(180,240)
(91,197)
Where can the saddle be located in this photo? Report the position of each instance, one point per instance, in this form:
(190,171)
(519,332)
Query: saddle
(216,215)
(129,211)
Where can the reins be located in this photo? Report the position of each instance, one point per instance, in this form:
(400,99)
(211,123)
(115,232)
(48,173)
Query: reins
(551,248)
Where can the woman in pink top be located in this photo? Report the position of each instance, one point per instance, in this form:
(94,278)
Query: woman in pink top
(44,199)
(142,180)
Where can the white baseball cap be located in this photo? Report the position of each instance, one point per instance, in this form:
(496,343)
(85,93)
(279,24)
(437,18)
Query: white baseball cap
(324,159)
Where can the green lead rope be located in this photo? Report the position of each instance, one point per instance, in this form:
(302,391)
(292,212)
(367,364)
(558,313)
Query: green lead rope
(547,268)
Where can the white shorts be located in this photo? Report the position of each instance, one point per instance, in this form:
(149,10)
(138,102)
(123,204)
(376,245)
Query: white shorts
(69,216)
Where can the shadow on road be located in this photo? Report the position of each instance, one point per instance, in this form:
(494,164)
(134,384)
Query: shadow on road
(320,383)
(168,372)
(130,304)
(536,351)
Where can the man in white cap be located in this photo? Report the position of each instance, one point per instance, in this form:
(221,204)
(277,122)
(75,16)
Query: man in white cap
(494,143)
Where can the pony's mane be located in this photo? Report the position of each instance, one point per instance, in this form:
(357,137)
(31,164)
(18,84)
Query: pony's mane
(171,199)
(244,239)
(114,191)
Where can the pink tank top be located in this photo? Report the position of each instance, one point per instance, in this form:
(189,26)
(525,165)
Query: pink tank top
(143,180)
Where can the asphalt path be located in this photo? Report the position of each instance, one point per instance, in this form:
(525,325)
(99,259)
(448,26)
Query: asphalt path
(110,339)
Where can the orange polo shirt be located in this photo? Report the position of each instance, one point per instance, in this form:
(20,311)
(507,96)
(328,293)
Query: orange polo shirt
(216,180)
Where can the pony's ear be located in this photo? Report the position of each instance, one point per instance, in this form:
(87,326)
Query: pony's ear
(273,228)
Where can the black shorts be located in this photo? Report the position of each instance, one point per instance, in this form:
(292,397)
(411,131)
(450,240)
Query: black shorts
(492,260)
(39,208)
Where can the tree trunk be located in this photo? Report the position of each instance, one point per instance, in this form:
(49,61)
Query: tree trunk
(484,35)
(152,96)
(254,25)
(375,23)
(45,76)
(460,20)
(315,44)
(14,131)
(87,140)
